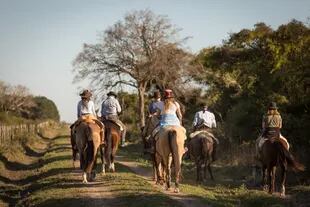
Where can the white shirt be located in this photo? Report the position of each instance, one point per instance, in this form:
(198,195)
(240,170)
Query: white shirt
(172,110)
(89,109)
(204,117)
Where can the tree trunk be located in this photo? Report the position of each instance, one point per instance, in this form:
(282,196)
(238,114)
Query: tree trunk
(141,91)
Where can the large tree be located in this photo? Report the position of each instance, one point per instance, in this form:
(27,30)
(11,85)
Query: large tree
(141,49)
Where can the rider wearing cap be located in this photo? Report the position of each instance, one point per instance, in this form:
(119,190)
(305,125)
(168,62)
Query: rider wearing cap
(204,120)
(110,109)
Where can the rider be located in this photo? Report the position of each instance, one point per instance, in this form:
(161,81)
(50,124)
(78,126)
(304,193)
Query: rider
(86,110)
(86,107)
(154,104)
(109,111)
(204,120)
(170,111)
(271,126)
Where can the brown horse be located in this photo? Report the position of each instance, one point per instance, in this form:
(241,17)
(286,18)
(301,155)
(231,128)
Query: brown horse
(274,154)
(87,137)
(200,149)
(75,151)
(149,142)
(112,140)
(170,141)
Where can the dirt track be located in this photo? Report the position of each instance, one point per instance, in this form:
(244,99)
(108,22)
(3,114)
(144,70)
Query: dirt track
(146,174)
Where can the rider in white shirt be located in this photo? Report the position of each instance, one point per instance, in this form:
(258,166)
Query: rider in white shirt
(204,117)
(204,120)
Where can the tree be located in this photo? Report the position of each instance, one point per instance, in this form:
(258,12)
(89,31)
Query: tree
(16,99)
(131,52)
(44,109)
(256,66)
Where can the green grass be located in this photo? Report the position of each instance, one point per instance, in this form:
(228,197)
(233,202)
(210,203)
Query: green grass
(230,185)
(58,184)
(53,182)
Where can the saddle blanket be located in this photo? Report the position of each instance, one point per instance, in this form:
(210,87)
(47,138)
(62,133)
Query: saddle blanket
(208,134)
(284,142)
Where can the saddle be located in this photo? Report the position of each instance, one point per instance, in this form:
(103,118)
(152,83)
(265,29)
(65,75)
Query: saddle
(88,119)
(114,122)
(205,133)
(280,139)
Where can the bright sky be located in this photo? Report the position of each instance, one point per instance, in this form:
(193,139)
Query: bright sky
(40,38)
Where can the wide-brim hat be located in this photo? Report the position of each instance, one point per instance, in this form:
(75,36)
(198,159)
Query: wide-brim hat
(111,93)
(86,94)
(168,94)
(273,105)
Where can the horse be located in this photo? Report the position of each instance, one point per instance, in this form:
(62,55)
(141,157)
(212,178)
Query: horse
(149,141)
(112,140)
(73,145)
(274,154)
(200,149)
(170,141)
(87,137)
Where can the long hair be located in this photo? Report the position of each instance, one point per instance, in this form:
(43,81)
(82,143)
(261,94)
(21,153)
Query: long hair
(273,112)
(168,103)
(85,102)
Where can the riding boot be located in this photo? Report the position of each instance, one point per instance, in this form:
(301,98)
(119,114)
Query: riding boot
(214,151)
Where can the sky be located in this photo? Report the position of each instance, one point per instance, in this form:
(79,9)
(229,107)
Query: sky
(39,39)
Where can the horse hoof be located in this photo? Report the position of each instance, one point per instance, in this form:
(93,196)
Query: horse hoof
(176,190)
(85,181)
(167,189)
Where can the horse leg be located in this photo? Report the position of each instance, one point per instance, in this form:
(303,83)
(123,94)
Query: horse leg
(102,159)
(210,170)
(264,178)
(158,167)
(177,171)
(198,169)
(283,179)
(85,177)
(272,175)
(167,167)
(154,167)
(112,166)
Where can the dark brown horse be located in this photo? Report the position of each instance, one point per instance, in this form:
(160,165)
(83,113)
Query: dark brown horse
(200,149)
(274,154)
(112,140)
(149,142)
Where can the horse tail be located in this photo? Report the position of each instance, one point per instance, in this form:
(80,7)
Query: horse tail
(172,137)
(88,157)
(286,155)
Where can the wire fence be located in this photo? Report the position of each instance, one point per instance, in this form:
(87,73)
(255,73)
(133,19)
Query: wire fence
(9,133)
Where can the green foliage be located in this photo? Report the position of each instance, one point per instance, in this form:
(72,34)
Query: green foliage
(44,109)
(254,67)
